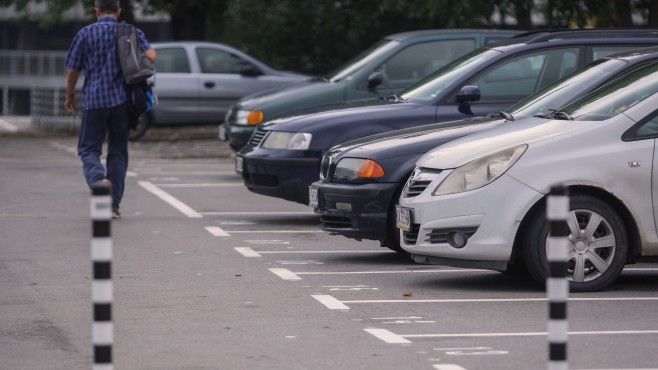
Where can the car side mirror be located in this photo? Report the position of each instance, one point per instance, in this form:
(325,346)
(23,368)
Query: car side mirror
(468,94)
(375,79)
(250,71)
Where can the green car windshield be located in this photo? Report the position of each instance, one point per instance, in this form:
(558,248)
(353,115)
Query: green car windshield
(615,97)
(362,59)
(431,86)
(559,93)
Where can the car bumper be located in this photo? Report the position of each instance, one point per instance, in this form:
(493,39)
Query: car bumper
(492,214)
(238,135)
(279,176)
(358,211)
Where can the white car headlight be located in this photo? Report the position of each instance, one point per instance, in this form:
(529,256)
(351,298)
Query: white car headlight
(287,140)
(248,117)
(480,172)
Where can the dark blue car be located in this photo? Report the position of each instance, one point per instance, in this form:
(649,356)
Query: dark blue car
(283,156)
(361,180)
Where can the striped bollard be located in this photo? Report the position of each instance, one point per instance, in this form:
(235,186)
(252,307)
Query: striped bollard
(101,256)
(557,285)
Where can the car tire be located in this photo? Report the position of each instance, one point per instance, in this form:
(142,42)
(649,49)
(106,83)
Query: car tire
(392,240)
(588,269)
(139,131)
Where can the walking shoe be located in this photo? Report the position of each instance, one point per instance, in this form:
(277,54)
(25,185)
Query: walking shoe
(103,182)
(116,214)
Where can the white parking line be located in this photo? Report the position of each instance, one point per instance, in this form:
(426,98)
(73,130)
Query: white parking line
(390,337)
(274,231)
(285,274)
(247,252)
(168,198)
(493,300)
(296,274)
(329,301)
(258,213)
(205,185)
(217,231)
(448,367)
(4,125)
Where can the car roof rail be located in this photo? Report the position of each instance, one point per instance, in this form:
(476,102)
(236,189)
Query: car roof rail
(547,35)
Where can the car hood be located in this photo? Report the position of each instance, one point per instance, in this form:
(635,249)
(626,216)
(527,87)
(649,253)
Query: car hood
(310,88)
(524,131)
(411,140)
(375,109)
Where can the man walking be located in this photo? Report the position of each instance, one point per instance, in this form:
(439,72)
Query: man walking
(104,109)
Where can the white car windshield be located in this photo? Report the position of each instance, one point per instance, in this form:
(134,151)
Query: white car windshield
(615,97)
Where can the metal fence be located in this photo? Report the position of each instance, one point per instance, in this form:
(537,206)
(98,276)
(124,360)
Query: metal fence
(34,83)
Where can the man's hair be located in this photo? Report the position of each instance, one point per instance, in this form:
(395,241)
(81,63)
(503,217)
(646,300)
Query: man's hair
(107,6)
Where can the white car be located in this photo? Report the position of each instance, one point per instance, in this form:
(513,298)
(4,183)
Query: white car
(479,201)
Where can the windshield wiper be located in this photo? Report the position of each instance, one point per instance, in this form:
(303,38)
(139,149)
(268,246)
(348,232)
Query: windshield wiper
(501,114)
(555,114)
(394,97)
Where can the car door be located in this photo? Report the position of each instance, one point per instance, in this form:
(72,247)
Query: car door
(410,64)
(226,77)
(175,87)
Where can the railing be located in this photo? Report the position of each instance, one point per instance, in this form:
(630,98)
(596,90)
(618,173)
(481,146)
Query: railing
(43,75)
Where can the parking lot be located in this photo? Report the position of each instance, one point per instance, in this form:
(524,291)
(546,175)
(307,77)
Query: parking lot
(210,276)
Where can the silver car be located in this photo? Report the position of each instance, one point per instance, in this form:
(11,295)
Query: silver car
(480,201)
(196,82)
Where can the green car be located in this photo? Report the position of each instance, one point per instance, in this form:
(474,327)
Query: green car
(385,68)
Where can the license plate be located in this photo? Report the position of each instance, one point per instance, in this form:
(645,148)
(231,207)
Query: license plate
(313,196)
(403,218)
(239,162)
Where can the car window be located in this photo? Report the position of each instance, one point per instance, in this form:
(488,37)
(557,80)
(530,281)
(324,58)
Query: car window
(515,78)
(364,58)
(220,61)
(648,128)
(418,60)
(615,97)
(603,51)
(172,60)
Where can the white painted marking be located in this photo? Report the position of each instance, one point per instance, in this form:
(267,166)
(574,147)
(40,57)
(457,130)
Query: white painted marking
(351,288)
(285,274)
(168,198)
(206,185)
(301,262)
(186,173)
(462,348)
(376,272)
(274,231)
(256,213)
(217,231)
(238,223)
(330,302)
(397,318)
(314,252)
(387,336)
(528,334)
(131,174)
(267,242)
(7,126)
(503,300)
(102,332)
(477,353)
(448,367)
(247,252)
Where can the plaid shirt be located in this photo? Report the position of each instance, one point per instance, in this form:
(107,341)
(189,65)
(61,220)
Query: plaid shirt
(93,51)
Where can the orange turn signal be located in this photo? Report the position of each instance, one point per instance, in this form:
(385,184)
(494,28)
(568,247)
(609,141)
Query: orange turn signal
(255,117)
(370,170)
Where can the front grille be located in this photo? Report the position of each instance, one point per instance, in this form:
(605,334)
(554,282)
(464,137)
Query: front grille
(415,187)
(438,236)
(336,222)
(257,137)
(264,180)
(410,237)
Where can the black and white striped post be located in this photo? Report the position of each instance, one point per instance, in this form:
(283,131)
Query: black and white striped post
(557,285)
(101,256)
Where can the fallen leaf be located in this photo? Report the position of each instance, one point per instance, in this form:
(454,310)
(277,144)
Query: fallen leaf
(408,294)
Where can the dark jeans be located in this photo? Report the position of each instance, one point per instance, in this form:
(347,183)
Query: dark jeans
(96,123)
